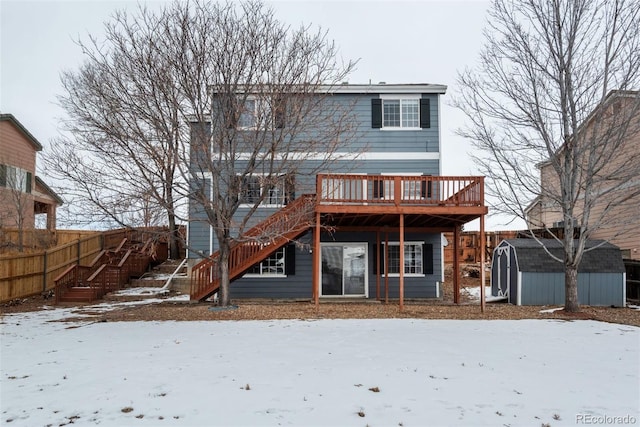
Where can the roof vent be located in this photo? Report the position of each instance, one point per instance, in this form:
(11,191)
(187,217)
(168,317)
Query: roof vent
(382,83)
(345,83)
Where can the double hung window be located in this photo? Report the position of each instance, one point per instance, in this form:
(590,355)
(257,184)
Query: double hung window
(260,113)
(268,190)
(274,265)
(412,258)
(15,178)
(400,112)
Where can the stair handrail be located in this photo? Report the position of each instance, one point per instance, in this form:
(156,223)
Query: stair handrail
(204,274)
(168,282)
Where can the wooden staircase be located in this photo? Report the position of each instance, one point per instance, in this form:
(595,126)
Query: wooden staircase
(254,246)
(109,271)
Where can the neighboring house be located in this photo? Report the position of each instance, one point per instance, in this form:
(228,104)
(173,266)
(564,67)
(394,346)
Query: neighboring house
(395,198)
(624,228)
(22,194)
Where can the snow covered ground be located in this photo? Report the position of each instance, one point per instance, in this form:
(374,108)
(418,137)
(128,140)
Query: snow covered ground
(395,372)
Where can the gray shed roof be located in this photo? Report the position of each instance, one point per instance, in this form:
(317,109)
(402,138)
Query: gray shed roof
(532,257)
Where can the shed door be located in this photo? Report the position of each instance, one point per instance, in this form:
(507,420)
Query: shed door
(503,271)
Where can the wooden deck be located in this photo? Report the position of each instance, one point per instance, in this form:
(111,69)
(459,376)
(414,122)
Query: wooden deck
(353,202)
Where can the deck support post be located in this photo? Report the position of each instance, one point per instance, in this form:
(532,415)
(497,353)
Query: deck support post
(377,255)
(401,261)
(386,267)
(456,264)
(482,256)
(316,261)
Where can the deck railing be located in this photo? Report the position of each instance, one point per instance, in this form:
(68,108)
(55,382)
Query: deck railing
(398,190)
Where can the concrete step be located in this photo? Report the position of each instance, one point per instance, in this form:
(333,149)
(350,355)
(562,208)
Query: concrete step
(181,284)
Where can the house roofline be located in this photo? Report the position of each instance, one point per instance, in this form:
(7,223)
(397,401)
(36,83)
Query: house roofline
(49,191)
(372,88)
(32,139)
(386,88)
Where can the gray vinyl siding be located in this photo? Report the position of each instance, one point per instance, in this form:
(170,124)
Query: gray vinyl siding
(540,289)
(599,289)
(382,140)
(299,285)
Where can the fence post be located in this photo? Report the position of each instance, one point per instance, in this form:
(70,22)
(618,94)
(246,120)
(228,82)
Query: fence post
(44,273)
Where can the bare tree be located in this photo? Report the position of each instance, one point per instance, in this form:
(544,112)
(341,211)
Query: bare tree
(264,119)
(552,78)
(125,118)
(219,104)
(15,188)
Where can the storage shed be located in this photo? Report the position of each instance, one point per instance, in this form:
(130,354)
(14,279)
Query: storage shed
(524,273)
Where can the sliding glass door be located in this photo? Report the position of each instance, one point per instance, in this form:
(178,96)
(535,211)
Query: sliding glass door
(344,269)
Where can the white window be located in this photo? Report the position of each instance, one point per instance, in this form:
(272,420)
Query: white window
(269,190)
(274,265)
(258,113)
(248,114)
(413,257)
(15,178)
(401,113)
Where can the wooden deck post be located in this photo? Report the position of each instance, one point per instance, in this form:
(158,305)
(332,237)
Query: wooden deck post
(377,255)
(401,261)
(482,255)
(456,265)
(316,261)
(386,267)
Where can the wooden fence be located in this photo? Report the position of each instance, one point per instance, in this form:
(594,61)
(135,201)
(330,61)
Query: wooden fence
(38,240)
(31,274)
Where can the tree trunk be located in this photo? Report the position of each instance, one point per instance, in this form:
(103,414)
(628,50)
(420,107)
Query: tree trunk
(174,246)
(571,289)
(223,266)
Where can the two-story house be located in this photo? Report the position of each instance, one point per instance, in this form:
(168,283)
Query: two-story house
(22,194)
(375,216)
(616,204)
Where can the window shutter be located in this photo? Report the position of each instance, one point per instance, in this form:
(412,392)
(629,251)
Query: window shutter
(425,113)
(279,113)
(425,190)
(378,249)
(3,175)
(378,189)
(289,188)
(290,260)
(376,113)
(28,187)
(427,258)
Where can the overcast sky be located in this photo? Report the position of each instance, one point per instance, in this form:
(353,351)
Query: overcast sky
(395,42)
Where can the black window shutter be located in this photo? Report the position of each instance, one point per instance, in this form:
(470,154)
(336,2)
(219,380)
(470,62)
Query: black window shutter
(425,190)
(378,189)
(378,249)
(279,113)
(29,177)
(289,188)
(427,258)
(425,113)
(376,113)
(290,259)
(3,175)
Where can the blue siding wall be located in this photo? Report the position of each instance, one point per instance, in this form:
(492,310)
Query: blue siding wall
(299,285)
(602,289)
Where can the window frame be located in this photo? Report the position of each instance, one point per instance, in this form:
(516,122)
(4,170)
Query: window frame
(420,258)
(414,98)
(269,263)
(281,186)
